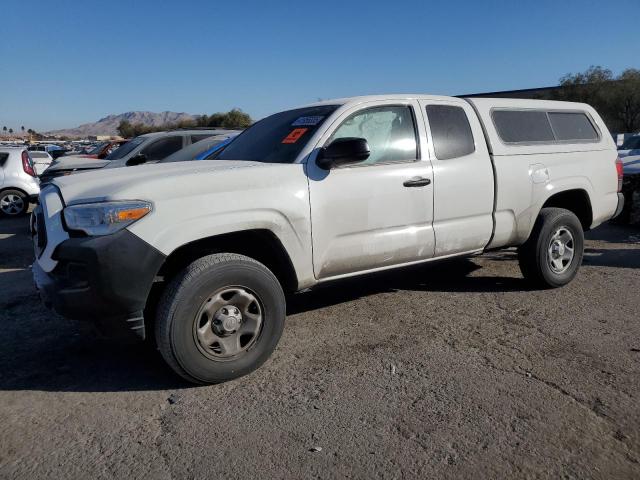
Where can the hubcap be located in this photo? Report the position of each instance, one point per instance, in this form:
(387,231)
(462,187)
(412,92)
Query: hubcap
(228,323)
(11,204)
(561,250)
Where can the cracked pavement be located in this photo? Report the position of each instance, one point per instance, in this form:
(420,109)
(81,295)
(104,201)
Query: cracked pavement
(452,370)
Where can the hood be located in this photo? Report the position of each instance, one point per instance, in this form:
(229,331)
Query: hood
(159,180)
(77,162)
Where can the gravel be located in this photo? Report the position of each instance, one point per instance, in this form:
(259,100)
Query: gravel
(452,370)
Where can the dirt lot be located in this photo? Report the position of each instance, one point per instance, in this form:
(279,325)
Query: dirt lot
(447,371)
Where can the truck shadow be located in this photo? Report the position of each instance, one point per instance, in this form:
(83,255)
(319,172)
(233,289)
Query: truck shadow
(449,276)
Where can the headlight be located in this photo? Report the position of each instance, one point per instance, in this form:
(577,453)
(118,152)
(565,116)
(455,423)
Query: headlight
(105,218)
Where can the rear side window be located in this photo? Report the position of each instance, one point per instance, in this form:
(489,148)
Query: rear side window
(3,158)
(162,148)
(523,126)
(572,126)
(540,126)
(451,131)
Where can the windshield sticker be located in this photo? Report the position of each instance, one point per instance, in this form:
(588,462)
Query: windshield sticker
(295,135)
(307,121)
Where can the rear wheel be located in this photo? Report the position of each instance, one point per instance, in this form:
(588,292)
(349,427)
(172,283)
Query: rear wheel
(13,203)
(553,253)
(220,318)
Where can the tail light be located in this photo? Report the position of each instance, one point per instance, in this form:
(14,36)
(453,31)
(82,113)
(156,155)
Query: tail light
(27,166)
(620,170)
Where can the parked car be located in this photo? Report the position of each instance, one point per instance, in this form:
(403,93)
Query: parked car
(630,147)
(54,150)
(18,182)
(103,149)
(319,193)
(41,161)
(202,149)
(148,148)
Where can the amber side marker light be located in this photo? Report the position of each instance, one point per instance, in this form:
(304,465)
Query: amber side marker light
(132,214)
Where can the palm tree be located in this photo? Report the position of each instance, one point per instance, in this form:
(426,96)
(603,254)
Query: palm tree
(22,127)
(4,130)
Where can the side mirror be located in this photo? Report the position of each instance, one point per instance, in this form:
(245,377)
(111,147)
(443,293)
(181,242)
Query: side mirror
(138,159)
(343,151)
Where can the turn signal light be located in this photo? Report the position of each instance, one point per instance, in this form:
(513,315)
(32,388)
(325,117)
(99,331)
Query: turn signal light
(132,214)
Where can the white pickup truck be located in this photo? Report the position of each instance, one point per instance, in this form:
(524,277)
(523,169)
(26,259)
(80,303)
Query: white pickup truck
(204,252)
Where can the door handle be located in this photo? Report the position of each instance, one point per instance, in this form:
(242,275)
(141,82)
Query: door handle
(417,182)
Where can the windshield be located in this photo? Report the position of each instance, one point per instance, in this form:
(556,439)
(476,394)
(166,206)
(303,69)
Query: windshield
(97,149)
(125,149)
(632,143)
(278,138)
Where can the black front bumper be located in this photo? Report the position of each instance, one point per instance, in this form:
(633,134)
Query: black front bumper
(103,279)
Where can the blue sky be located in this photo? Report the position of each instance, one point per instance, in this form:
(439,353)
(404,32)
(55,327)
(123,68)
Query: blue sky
(63,63)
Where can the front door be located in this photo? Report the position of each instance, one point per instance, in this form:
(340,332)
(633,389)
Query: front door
(379,212)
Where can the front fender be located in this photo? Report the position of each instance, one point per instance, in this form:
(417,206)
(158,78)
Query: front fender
(167,232)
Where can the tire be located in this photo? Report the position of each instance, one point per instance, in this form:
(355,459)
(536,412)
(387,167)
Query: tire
(212,297)
(542,260)
(13,203)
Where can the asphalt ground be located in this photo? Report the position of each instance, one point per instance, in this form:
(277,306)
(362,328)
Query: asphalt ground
(452,370)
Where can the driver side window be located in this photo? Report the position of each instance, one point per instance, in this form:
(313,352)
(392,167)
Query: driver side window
(389,130)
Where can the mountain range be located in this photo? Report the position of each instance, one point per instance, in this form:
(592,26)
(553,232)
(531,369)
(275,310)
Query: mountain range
(109,124)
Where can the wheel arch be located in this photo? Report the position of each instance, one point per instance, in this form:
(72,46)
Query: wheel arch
(260,244)
(576,200)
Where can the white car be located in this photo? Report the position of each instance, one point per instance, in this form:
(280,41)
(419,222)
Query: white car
(19,184)
(314,194)
(41,161)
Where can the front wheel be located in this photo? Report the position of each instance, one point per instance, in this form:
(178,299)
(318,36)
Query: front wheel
(553,253)
(220,318)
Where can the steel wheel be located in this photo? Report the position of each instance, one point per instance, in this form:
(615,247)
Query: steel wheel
(228,323)
(561,250)
(12,204)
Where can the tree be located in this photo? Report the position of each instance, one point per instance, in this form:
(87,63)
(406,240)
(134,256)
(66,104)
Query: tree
(22,127)
(4,130)
(626,98)
(10,131)
(617,99)
(235,118)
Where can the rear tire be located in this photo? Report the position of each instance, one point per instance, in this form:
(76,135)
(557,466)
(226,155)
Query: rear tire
(13,203)
(552,255)
(220,318)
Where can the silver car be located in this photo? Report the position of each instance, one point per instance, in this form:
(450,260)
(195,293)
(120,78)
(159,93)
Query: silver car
(19,184)
(147,148)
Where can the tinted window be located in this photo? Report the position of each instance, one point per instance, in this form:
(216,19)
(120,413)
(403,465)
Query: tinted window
(125,149)
(98,149)
(197,138)
(162,148)
(38,154)
(389,131)
(632,143)
(278,138)
(516,126)
(3,158)
(451,131)
(572,126)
